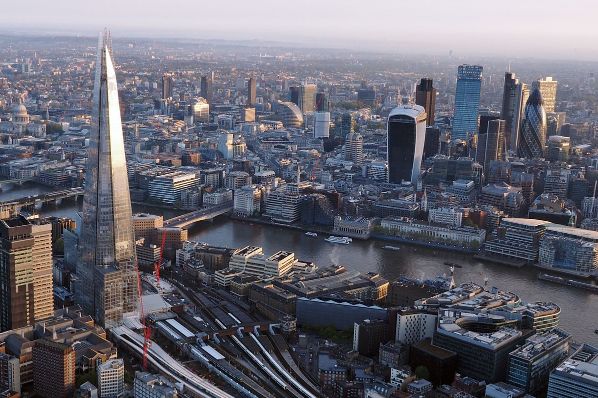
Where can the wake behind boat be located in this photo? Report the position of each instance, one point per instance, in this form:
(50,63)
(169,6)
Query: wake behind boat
(339,239)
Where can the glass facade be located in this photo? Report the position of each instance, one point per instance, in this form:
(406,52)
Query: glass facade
(532,140)
(107,240)
(467,101)
(406,136)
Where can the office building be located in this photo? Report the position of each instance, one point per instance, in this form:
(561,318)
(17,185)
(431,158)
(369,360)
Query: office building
(248,115)
(517,240)
(306,100)
(576,377)
(490,141)
(26,293)
(107,281)
(290,114)
(393,354)
(237,179)
(532,137)
(530,365)
(147,385)
(467,101)
(206,87)
(515,96)
(547,88)
(251,92)
(569,248)
(247,201)
(322,103)
(413,326)
(432,142)
(441,363)
(556,182)
(53,369)
(111,378)
(201,110)
(446,170)
(425,96)
(482,342)
(369,334)
(366,95)
(406,133)
(509,104)
(10,373)
(550,207)
(346,124)
(144,224)
(321,124)
(167,86)
(558,148)
(354,148)
(167,188)
(283,206)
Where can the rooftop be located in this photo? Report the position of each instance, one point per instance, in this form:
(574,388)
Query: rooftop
(539,344)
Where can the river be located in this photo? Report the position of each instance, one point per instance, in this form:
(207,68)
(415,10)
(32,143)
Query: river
(579,308)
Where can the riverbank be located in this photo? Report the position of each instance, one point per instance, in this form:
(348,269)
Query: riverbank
(373,236)
(502,261)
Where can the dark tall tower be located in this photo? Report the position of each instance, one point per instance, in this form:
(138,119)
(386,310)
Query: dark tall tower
(294,95)
(167,86)
(490,140)
(406,135)
(532,140)
(322,102)
(432,144)
(206,87)
(251,92)
(425,95)
(508,100)
(107,281)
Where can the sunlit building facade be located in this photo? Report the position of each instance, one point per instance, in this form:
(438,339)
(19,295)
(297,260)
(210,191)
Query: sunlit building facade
(107,284)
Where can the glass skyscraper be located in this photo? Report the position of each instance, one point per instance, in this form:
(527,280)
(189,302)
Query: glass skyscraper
(406,136)
(467,101)
(532,139)
(107,283)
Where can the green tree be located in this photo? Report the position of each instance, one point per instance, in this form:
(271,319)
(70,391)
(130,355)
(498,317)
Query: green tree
(422,372)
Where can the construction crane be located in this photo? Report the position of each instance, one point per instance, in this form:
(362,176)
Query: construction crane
(159,262)
(146,329)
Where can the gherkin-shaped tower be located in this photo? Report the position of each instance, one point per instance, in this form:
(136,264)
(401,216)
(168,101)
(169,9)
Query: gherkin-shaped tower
(532,139)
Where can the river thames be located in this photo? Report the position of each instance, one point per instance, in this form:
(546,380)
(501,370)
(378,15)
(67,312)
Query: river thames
(579,307)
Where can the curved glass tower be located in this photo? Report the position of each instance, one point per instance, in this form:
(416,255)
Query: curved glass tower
(405,142)
(532,139)
(107,284)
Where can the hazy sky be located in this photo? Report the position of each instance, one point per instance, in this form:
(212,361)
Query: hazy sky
(548,28)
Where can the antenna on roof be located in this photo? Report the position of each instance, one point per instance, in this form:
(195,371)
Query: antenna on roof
(107,40)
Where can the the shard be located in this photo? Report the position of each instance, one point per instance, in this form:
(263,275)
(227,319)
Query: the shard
(107,284)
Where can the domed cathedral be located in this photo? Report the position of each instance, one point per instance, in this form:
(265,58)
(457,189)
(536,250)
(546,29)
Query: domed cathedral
(21,123)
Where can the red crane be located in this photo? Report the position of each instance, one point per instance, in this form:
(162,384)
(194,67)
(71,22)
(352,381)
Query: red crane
(159,262)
